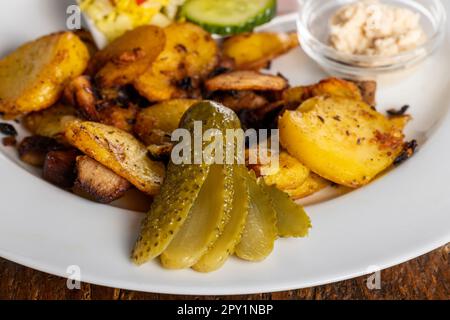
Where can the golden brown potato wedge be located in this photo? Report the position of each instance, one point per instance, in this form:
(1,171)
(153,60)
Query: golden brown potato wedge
(128,57)
(311,185)
(80,93)
(50,122)
(240,100)
(189,56)
(119,117)
(246,80)
(118,151)
(331,86)
(155,124)
(98,183)
(254,51)
(33,77)
(291,173)
(368,91)
(342,140)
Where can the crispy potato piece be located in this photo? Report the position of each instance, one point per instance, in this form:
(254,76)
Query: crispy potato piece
(88,40)
(368,91)
(50,122)
(160,152)
(32,150)
(59,167)
(311,185)
(98,183)
(254,51)
(101,106)
(79,93)
(342,140)
(241,100)
(155,124)
(33,77)
(290,174)
(128,57)
(246,80)
(337,88)
(189,56)
(118,151)
(119,117)
(332,86)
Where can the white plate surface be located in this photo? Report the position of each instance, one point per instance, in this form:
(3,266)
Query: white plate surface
(400,216)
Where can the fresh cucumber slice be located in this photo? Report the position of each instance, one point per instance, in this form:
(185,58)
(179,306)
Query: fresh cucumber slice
(226,17)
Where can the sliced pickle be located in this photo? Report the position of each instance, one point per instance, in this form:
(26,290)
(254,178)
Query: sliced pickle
(231,235)
(260,230)
(203,225)
(292,220)
(182,185)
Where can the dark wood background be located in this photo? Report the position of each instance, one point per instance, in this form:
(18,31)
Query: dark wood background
(426,277)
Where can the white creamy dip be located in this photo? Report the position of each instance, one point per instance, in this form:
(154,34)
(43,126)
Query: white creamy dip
(370,27)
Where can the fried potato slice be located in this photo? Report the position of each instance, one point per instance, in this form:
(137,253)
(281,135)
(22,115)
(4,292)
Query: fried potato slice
(342,140)
(246,80)
(290,173)
(120,117)
(240,100)
(313,183)
(118,151)
(155,124)
(330,86)
(254,51)
(190,54)
(98,183)
(33,77)
(50,122)
(128,57)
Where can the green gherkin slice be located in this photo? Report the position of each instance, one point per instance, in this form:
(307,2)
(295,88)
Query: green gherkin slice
(292,220)
(181,188)
(231,235)
(260,231)
(204,223)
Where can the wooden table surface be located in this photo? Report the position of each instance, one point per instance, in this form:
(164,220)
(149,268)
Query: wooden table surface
(427,277)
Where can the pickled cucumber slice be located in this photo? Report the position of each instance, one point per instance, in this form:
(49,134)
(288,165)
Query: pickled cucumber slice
(181,187)
(260,231)
(292,220)
(203,225)
(231,235)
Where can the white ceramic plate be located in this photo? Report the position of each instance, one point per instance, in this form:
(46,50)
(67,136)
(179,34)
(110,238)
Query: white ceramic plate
(400,216)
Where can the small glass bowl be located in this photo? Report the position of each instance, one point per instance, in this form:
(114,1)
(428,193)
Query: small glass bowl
(313,28)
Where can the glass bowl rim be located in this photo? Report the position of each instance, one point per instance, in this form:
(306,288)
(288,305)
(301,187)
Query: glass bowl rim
(351,60)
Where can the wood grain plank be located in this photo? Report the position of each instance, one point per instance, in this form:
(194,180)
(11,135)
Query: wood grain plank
(426,277)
